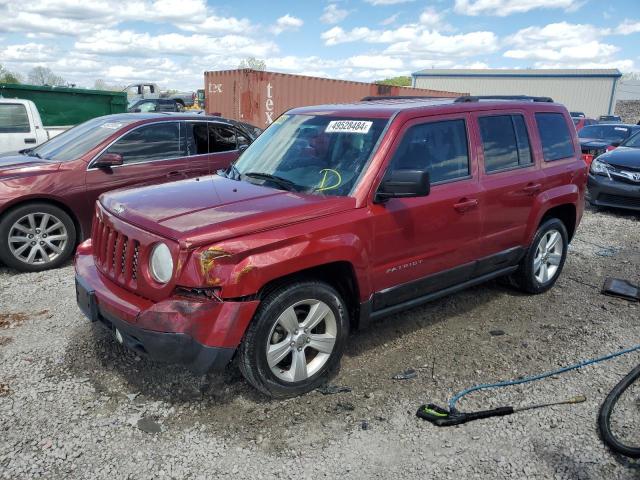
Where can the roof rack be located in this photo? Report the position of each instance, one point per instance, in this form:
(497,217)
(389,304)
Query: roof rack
(399,97)
(526,98)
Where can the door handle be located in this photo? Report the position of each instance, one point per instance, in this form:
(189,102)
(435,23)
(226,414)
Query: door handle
(465,204)
(532,188)
(176,174)
(29,140)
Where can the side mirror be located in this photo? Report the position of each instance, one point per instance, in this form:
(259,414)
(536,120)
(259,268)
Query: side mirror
(403,184)
(108,160)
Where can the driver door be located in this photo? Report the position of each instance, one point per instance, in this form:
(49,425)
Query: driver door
(424,244)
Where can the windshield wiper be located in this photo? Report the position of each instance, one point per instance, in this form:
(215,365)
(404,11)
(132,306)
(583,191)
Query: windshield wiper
(283,182)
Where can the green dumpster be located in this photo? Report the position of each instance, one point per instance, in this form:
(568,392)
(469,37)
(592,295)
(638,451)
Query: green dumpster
(66,106)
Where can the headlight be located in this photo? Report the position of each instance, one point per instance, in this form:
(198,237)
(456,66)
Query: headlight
(161,263)
(599,167)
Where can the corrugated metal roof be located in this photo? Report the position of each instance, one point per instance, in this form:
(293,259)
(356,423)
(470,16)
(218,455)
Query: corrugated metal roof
(493,72)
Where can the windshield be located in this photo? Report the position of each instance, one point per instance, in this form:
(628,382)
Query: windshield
(611,133)
(633,141)
(314,154)
(77,141)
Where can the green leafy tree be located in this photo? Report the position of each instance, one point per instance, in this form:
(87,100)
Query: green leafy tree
(7,76)
(253,63)
(45,76)
(403,81)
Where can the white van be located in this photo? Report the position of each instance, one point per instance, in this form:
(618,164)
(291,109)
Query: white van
(21,126)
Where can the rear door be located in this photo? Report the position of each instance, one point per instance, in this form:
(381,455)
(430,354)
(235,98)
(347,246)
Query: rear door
(152,153)
(425,244)
(510,177)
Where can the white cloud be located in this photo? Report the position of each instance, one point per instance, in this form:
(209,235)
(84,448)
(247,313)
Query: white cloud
(373,61)
(391,19)
(431,17)
(627,27)
(286,23)
(387,2)
(333,14)
(435,44)
(216,25)
(503,8)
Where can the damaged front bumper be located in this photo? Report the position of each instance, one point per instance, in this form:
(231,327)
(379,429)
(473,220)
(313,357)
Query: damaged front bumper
(201,334)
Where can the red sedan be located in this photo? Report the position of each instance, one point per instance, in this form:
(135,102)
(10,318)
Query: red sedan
(47,194)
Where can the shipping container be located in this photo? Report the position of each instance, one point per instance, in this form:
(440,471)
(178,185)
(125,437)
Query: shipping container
(259,97)
(65,106)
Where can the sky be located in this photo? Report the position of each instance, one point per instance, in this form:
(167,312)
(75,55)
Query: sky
(172,42)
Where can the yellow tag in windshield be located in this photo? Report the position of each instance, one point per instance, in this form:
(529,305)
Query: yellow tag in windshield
(327,179)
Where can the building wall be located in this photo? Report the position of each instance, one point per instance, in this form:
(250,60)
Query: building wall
(591,95)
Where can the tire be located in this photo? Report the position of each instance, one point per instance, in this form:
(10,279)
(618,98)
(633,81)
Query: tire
(272,327)
(52,245)
(529,277)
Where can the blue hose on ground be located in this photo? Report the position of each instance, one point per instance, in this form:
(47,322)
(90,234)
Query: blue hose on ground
(533,378)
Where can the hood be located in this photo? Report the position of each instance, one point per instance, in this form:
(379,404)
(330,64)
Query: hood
(214,208)
(22,165)
(623,157)
(594,143)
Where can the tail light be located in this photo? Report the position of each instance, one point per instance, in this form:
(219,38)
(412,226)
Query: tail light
(588,158)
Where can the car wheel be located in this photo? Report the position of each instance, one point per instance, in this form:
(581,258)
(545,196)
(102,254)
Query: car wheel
(295,340)
(36,237)
(541,266)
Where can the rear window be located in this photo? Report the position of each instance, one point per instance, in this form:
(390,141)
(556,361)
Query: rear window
(505,142)
(555,136)
(13,118)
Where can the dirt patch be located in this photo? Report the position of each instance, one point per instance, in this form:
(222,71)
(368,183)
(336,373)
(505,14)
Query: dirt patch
(11,320)
(5,341)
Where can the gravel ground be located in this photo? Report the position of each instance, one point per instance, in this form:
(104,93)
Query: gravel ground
(74,404)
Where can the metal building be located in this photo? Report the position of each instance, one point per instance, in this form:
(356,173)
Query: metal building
(591,91)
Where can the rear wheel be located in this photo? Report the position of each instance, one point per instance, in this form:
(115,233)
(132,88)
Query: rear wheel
(295,340)
(36,237)
(541,266)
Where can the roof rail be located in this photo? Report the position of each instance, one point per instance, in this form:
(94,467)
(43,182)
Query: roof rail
(399,97)
(526,98)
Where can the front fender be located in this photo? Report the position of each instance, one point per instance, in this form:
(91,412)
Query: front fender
(242,267)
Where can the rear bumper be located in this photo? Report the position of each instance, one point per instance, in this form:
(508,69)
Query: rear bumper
(612,193)
(200,334)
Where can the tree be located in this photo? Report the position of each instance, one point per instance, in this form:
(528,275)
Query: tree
(402,81)
(253,63)
(9,77)
(44,76)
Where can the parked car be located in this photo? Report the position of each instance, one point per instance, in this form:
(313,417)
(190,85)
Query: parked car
(609,118)
(145,91)
(156,105)
(581,122)
(47,193)
(336,215)
(598,139)
(614,177)
(21,126)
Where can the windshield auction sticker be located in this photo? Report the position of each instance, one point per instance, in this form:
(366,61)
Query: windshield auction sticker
(348,126)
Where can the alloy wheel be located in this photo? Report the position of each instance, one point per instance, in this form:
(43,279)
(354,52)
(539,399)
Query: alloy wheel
(38,238)
(301,340)
(548,256)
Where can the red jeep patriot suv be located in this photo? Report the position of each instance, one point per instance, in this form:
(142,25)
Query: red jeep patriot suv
(336,215)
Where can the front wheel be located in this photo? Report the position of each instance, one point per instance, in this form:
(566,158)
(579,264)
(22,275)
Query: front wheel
(541,266)
(295,340)
(36,237)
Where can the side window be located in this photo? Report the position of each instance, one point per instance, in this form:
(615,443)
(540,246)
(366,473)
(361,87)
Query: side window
(197,138)
(160,141)
(14,118)
(147,107)
(243,139)
(556,140)
(439,147)
(221,138)
(505,142)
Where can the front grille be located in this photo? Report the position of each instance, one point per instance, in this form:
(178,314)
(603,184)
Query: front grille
(619,200)
(115,254)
